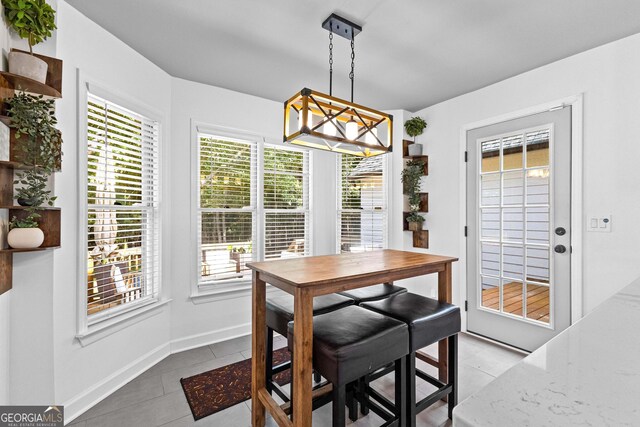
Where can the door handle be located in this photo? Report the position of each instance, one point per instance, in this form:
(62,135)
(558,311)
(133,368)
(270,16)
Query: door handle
(560,249)
(560,231)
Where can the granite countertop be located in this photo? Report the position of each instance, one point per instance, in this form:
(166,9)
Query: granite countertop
(588,375)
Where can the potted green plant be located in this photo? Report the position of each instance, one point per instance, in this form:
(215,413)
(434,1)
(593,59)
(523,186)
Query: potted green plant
(24,233)
(415,127)
(38,148)
(415,220)
(33,20)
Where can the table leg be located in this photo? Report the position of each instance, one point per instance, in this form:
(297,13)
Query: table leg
(302,358)
(444,295)
(258,355)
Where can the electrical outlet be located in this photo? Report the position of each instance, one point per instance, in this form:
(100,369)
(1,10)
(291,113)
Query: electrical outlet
(599,223)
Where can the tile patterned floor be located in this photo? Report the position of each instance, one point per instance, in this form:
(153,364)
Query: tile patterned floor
(155,398)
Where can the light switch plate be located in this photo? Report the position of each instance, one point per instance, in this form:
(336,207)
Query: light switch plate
(599,223)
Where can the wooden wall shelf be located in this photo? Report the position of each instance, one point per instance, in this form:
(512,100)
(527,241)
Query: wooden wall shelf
(17,83)
(49,221)
(19,208)
(52,88)
(421,239)
(406,156)
(7,164)
(14,250)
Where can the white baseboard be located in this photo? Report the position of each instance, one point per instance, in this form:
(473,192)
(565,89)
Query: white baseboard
(212,337)
(87,399)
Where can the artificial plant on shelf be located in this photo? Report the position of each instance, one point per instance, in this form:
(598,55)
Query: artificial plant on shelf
(415,220)
(415,127)
(411,175)
(33,20)
(38,148)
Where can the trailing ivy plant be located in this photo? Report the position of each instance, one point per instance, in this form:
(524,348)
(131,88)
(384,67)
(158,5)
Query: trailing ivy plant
(38,148)
(33,20)
(415,127)
(411,175)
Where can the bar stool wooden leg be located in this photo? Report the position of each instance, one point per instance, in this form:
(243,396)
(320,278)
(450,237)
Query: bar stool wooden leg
(364,395)
(453,373)
(352,403)
(339,397)
(410,388)
(401,398)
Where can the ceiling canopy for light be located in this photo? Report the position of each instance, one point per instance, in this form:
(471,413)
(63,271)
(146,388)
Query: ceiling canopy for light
(317,120)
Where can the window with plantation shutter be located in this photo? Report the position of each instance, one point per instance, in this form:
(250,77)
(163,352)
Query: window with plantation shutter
(286,203)
(244,215)
(362,204)
(123,179)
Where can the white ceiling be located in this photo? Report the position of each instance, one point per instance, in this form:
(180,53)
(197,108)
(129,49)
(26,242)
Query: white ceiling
(411,53)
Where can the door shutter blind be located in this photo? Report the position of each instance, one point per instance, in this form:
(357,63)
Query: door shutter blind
(122,207)
(226,207)
(286,203)
(362,204)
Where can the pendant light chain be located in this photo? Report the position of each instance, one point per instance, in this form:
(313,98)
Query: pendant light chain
(353,57)
(331,60)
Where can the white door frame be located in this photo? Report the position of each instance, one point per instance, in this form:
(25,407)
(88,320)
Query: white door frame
(576,103)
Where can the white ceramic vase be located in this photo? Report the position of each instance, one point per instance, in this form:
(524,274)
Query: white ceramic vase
(415,149)
(25,238)
(26,65)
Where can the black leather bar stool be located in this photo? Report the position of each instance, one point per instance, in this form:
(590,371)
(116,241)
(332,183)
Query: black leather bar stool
(373,293)
(279,314)
(429,321)
(353,342)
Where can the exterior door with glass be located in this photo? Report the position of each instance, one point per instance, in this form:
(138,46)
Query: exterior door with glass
(518,219)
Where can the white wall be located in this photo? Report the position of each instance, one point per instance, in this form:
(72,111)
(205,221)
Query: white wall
(104,364)
(608,78)
(194,324)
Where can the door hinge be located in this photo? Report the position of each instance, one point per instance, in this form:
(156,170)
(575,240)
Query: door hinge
(465,231)
(466,306)
(466,156)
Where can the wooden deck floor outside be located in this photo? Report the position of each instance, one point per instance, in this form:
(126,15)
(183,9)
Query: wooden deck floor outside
(537,300)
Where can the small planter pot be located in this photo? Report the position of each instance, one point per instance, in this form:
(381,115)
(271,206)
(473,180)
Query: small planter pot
(25,238)
(415,149)
(415,226)
(27,65)
(25,202)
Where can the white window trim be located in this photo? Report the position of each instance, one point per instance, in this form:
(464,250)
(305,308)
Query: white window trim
(100,326)
(232,288)
(386,161)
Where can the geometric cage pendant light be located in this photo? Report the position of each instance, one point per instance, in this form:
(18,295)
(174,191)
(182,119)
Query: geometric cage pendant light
(322,121)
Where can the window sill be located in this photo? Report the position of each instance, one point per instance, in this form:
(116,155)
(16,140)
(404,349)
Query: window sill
(212,293)
(102,328)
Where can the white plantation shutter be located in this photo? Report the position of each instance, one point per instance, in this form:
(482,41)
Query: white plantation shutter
(286,203)
(362,204)
(123,179)
(226,207)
